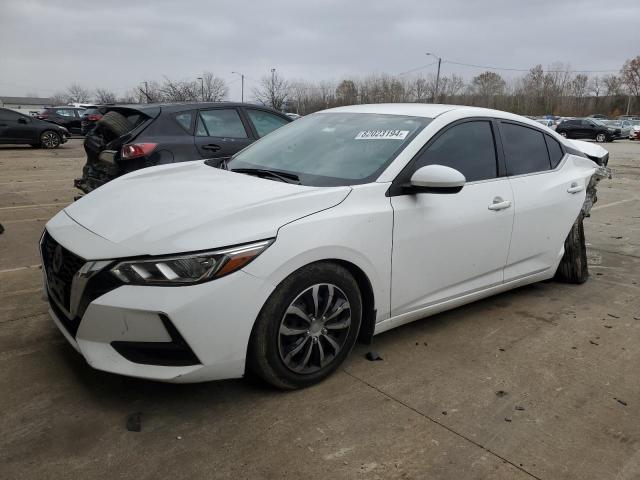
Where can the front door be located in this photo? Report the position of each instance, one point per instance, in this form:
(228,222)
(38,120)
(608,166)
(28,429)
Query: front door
(448,245)
(220,133)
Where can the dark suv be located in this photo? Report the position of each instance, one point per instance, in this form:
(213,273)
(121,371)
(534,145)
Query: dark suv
(587,128)
(130,137)
(67,117)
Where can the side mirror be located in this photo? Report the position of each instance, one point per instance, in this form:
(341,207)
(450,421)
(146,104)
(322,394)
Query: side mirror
(436,179)
(23,120)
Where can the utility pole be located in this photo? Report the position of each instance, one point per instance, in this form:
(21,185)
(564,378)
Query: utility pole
(201,87)
(628,104)
(241,83)
(435,94)
(273,87)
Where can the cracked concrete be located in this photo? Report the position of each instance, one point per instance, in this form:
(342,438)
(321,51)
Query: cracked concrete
(540,382)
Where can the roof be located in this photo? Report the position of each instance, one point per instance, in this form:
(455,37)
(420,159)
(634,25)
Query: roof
(432,110)
(26,100)
(428,110)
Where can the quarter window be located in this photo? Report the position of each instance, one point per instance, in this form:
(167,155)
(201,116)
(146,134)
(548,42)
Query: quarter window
(221,123)
(184,120)
(265,122)
(555,151)
(525,149)
(467,147)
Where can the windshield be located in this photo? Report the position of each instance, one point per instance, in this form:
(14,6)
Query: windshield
(329,149)
(599,122)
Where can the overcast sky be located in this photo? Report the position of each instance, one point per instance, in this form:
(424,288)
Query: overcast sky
(45,45)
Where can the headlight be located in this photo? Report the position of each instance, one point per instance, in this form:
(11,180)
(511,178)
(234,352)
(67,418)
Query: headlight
(189,268)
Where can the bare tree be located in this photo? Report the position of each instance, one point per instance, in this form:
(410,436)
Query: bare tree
(104,96)
(214,89)
(612,84)
(595,86)
(419,88)
(273,91)
(59,98)
(488,84)
(630,74)
(78,94)
(347,92)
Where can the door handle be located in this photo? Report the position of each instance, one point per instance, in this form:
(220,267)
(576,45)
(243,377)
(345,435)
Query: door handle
(212,146)
(499,204)
(575,188)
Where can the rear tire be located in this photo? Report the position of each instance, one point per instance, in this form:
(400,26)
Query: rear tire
(115,123)
(50,139)
(299,349)
(573,267)
(564,134)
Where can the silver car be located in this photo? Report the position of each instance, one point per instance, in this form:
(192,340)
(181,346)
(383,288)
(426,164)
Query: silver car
(625,127)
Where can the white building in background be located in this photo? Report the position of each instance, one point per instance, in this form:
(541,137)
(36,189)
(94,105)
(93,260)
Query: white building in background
(26,105)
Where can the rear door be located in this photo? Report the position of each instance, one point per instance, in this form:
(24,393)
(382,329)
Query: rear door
(221,132)
(548,196)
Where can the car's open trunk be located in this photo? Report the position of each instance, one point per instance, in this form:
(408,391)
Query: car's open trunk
(102,144)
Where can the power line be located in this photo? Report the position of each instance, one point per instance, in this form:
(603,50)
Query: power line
(524,69)
(416,69)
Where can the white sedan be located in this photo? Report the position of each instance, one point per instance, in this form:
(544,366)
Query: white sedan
(339,226)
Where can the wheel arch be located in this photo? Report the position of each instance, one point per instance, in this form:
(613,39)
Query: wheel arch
(368,323)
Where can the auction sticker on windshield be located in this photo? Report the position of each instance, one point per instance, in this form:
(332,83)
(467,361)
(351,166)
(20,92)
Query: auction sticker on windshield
(382,135)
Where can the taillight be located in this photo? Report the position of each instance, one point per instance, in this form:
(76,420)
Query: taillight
(94,117)
(135,150)
(42,117)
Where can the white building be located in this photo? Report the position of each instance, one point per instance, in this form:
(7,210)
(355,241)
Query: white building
(26,105)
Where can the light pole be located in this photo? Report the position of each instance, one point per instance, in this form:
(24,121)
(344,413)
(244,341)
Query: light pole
(241,83)
(435,94)
(201,87)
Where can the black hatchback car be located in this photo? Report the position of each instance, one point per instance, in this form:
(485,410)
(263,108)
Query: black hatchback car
(16,128)
(131,137)
(67,117)
(587,128)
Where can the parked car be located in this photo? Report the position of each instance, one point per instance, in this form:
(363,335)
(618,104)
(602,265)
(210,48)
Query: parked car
(89,118)
(588,128)
(634,133)
(621,126)
(132,137)
(16,128)
(67,117)
(343,224)
(598,116)
(547,122)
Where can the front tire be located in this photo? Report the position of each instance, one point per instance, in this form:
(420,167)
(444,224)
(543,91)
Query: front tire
(573,267)
(601,138)
(564,134)
(307,327)
(50,139)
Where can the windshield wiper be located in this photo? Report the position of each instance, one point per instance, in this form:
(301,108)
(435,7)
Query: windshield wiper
(263,172)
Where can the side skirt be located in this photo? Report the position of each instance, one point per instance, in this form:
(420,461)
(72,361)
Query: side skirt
(435,308)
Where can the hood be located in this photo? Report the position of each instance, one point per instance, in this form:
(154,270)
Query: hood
(191,206)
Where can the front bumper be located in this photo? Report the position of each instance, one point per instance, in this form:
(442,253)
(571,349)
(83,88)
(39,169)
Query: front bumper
(135,330)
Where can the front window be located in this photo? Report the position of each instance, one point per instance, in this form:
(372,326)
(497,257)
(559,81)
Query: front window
(329,149)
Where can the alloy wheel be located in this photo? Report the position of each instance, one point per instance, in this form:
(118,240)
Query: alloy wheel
(50,139)
(600,137)
(314,328)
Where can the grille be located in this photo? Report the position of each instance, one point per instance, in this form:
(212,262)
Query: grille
(60,266)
